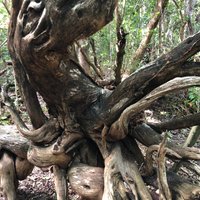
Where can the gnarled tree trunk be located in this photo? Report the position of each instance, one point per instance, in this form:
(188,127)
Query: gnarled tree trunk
(87,123)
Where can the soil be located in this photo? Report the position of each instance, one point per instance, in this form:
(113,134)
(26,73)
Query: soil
(39,185)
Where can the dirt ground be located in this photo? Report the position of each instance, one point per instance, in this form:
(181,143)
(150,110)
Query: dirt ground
(39,185)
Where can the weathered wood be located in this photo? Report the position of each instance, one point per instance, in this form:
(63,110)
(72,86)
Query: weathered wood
(8,181)
(41,35)
(60,181)
(87,181)
(119,128)
(44,157)
(22,168)
(121,162)
(148,137)
(180,188)
(177,123)
(13,141)
(147,78)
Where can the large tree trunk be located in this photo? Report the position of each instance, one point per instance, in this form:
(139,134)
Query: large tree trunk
(86,123)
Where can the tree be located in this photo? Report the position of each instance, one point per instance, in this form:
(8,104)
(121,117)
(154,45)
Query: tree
(86,123)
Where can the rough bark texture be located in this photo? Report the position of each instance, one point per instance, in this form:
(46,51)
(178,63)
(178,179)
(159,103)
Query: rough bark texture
(82,117)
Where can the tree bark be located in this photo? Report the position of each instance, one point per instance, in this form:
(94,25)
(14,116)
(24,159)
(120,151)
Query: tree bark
(41,39)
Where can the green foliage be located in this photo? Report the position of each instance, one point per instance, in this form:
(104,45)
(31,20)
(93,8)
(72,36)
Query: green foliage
(4,19)
(136,17)
(194,98)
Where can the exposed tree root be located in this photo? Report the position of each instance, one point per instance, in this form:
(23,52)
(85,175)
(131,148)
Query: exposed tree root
(22,168)
(87,181)
(178,123)
(165,193)
(43,157)
(181,189)
(119,129)
(40,37)
(60,181)
(147,136)
(8,181)
(120,162)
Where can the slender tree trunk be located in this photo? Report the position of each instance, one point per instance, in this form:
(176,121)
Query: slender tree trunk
(139,53)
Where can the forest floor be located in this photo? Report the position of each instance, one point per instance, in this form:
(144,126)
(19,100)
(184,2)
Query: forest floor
(39,184)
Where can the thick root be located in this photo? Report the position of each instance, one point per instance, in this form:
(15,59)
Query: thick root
(43,157)
(8,182)
(180,188)
(60,181)
(122,163)
(23,168)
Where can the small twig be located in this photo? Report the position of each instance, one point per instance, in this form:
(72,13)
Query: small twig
(5,3)
(2,72)
(3,43)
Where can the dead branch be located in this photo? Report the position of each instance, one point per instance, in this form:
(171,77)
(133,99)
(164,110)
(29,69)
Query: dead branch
(147,136)
(147,78)
(119,129)
(189,142)
(119,162)
(177,123)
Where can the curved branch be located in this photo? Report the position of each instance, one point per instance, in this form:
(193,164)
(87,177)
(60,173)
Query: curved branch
(83,181)
(45,133)
(147,136)
(120,162)
(147,78)
(43,157)
(120,127)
